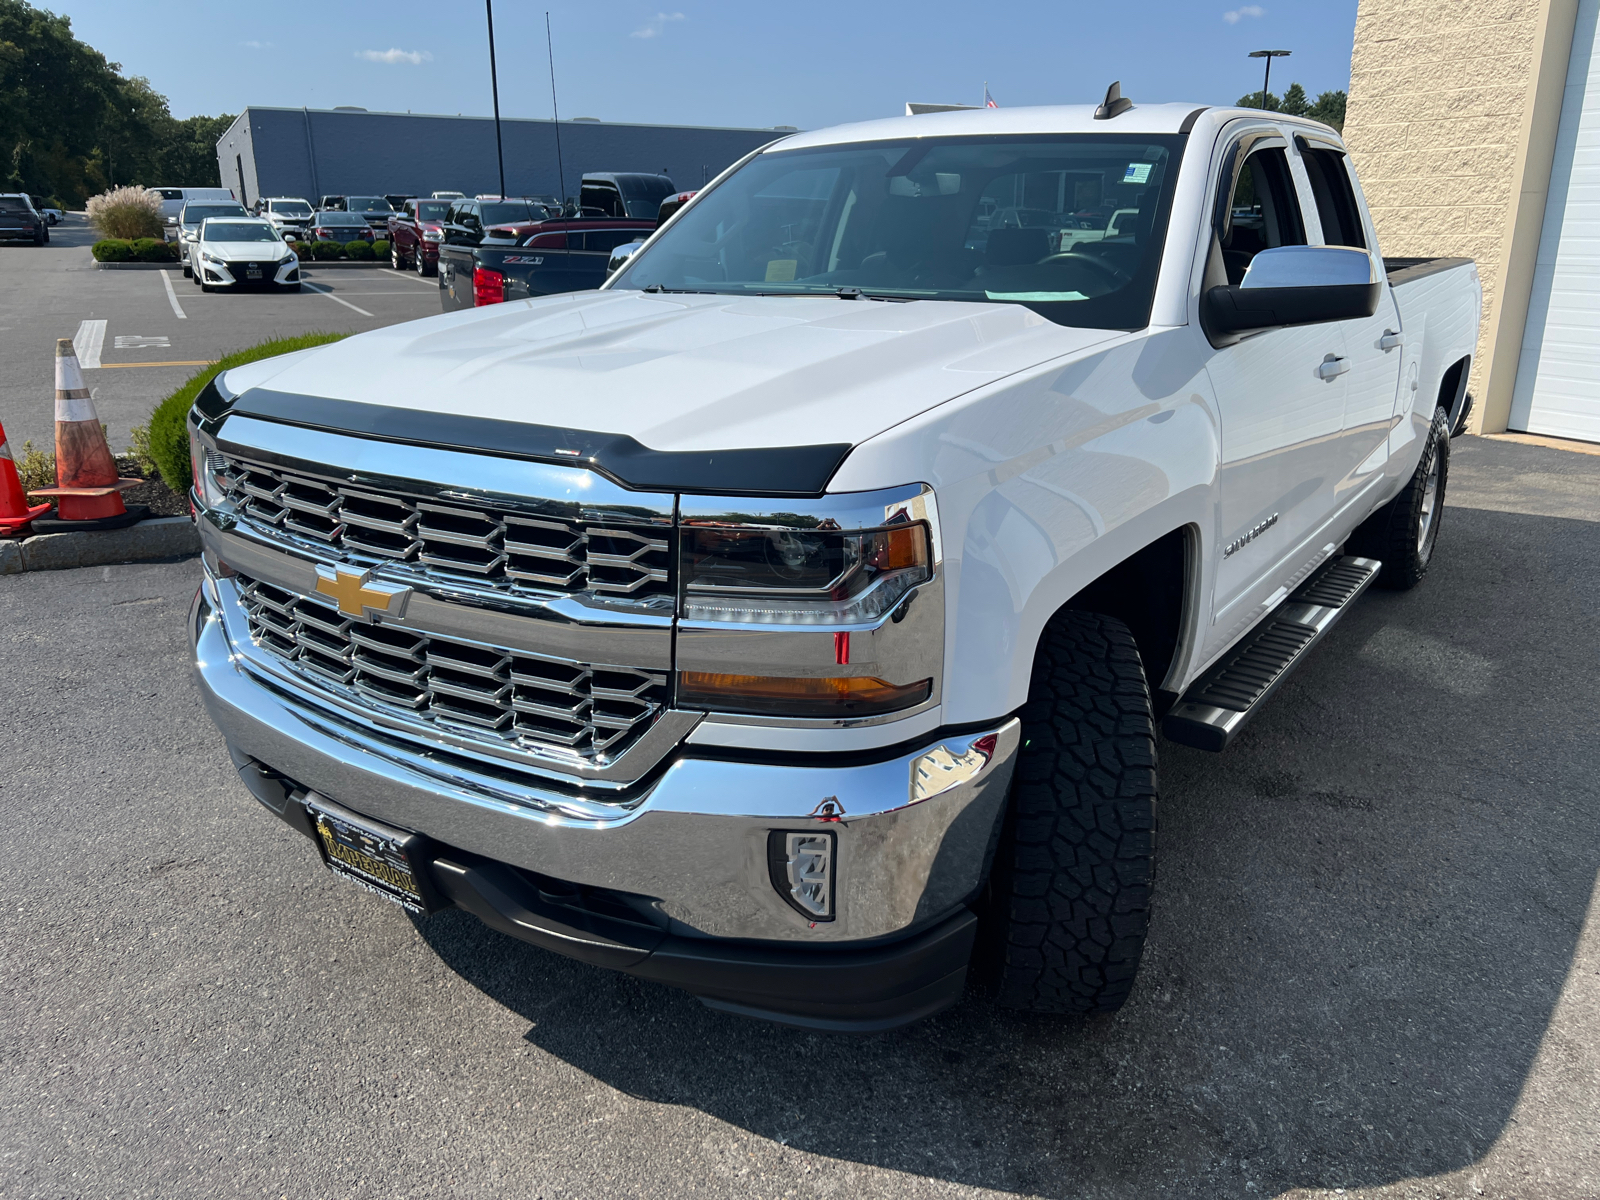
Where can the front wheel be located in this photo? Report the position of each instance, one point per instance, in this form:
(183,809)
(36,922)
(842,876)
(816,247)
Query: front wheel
(421,263)
(1402,534)
(1068,902)
(396,263)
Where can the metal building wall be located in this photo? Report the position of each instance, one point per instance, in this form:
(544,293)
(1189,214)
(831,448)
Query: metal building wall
(311,153)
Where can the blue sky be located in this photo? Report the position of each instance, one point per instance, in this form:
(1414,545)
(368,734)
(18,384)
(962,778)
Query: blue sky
(711,63)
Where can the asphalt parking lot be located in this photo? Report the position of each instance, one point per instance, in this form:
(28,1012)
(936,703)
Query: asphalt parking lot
(1374,963)
(159,317)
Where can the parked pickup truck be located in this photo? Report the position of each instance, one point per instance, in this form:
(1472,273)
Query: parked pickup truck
(516,262)
(415,234)
(792,619)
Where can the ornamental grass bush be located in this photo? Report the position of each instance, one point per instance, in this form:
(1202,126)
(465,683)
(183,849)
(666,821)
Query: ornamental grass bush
(127,213)
(167,443)
(358,251)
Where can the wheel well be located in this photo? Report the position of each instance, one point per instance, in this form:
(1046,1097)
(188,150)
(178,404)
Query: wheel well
(1452,394)
(1146,592)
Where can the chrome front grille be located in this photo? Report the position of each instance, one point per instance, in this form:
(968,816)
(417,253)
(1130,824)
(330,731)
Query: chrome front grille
(491,545)
(510,696)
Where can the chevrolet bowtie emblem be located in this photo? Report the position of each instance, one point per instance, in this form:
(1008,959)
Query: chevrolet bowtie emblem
(358,596)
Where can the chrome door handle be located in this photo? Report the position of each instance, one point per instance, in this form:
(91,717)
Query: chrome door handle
(1332,367)
(1391,340)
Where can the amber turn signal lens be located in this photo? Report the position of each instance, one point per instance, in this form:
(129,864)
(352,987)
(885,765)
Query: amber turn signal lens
(781,695)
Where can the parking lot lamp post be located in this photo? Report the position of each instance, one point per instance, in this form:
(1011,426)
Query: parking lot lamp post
(494,87)
(1269,55)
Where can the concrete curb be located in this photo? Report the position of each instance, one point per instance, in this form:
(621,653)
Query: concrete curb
(160,537)
(139,266)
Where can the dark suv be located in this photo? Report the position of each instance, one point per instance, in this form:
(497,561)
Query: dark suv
(20,221)
(624,194)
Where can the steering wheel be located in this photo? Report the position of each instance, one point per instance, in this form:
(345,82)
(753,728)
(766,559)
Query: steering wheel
(1118,277)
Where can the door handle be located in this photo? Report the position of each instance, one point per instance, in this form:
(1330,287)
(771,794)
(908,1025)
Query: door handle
(1332,367)
(1391,340)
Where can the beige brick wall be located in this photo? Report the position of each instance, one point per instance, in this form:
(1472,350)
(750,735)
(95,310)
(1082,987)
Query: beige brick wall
(1438,92)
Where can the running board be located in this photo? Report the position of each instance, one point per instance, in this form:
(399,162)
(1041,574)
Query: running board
(1214,709)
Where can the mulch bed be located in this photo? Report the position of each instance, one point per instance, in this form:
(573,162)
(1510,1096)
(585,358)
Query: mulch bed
(153,492)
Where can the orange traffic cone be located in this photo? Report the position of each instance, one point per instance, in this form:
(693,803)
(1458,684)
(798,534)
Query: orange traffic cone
(87,485)
(14,511)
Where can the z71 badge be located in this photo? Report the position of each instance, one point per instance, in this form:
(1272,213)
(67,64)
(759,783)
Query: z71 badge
(523,258)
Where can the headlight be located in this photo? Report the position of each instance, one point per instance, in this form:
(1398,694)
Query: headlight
(799,576)
(206,465)
(433,235)
(206,256)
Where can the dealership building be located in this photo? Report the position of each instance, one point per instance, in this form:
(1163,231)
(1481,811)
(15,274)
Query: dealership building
(1475,127)
(350,151)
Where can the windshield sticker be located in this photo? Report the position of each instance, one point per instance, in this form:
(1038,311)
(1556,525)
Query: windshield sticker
(1137,173)
(781,270)
(1035,296)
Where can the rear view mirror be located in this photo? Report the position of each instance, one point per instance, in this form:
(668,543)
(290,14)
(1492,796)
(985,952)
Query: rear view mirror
(1296,285)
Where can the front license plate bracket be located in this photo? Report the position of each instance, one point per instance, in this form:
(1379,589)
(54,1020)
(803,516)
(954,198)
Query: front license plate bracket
(372,855)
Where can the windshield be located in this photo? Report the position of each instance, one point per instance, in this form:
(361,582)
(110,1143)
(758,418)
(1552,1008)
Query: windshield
(193,214)
(290,208)
(368,204)
(432,210)
(998,219)
(216,231)
(642,194)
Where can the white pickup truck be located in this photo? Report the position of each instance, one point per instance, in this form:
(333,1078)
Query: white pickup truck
(791,620)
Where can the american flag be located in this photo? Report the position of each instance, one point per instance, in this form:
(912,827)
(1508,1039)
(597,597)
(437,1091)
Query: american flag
(988,100)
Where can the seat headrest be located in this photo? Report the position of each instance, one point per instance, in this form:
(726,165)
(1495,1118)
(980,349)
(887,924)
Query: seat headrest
(1014,247)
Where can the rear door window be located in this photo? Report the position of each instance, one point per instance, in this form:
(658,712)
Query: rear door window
(601,199)
(1329,175)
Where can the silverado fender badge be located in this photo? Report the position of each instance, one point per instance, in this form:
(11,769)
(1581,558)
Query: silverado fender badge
(359,597)
(1244,540)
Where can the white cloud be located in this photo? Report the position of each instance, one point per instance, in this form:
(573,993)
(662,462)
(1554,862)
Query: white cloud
(257,45)
(1234,16)
(656,27)
(415,57)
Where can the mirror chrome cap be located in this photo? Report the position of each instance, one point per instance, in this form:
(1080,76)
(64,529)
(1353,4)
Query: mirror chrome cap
(1308,266)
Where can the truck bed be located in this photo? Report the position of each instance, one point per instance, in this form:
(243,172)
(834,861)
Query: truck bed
(1402,271)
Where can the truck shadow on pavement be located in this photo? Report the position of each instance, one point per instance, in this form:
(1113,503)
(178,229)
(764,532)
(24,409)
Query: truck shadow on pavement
(1366,913)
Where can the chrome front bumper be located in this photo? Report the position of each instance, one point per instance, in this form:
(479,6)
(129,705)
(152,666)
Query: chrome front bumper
(912,833)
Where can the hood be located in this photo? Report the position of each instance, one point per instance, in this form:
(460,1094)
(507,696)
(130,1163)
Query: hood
(684,372)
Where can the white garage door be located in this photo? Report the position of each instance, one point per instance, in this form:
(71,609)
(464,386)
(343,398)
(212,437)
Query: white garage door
(1558,378)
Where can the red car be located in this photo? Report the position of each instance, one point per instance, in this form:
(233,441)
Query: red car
(415,233)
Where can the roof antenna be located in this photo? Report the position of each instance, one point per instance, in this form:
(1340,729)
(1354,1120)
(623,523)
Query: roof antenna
(1116,104)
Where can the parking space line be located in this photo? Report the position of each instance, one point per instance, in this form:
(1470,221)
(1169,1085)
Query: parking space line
(172,296)
(328,292)
(86,343)
(197,362)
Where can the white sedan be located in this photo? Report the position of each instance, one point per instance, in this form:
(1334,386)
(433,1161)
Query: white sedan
(235,252)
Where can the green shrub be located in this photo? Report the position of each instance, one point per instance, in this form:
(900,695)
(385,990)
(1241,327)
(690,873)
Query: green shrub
(322,251)
(112,250)
(139,449)
(380,248)
(358,250)
(36,468)
(126,212)
(168,440)
(152,250)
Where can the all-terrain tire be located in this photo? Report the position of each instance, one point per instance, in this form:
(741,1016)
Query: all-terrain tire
(1069,898)
(1402,534)
(396,263)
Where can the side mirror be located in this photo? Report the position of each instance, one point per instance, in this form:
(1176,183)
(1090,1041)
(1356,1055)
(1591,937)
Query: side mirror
(1296,285)
(620,256)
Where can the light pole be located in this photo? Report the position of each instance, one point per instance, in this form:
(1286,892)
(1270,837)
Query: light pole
(494,85)
(1269,55)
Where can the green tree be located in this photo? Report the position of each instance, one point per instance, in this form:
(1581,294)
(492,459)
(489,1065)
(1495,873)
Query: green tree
(1327,108)
(71,123)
